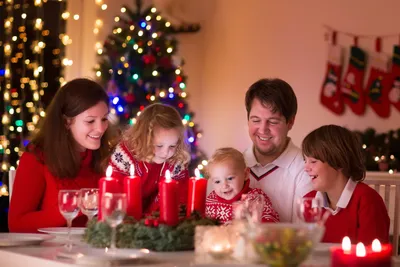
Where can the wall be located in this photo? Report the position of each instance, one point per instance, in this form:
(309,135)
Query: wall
(242,41)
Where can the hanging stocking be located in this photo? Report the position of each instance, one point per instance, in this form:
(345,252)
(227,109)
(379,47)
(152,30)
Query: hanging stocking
(378,84)
(352,86)
(330,94)
(394,92)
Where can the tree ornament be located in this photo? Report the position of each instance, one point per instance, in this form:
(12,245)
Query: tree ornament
(165,62)
(130,98)
(149,59)
(112,88)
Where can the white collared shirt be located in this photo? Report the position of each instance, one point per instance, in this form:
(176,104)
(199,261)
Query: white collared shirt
(343,200)
(283,180)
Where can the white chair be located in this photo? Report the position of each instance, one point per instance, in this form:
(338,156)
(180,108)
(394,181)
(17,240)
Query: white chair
(11,178)
(388,186)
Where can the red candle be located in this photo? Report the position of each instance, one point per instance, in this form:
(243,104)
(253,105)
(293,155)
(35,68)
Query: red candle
(169,204)
(107,184)
(132,188)
(376,255)
(196,194)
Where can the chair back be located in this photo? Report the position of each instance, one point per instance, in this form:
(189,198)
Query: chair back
(388,186)
(11,178)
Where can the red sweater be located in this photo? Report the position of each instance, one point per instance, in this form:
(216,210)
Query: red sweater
(34,202)
(150,174)
(222,210)
(364,219)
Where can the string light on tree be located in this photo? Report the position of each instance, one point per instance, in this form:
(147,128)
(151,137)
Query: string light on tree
(381,150)
(22,81)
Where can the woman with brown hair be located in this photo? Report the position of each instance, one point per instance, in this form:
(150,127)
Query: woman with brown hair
(66,153)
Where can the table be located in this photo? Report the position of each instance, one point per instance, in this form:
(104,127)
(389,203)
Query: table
(45,255)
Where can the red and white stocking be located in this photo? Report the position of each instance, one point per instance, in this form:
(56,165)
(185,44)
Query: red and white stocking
(378,84)
(330,93)
(394,89)
(352,85)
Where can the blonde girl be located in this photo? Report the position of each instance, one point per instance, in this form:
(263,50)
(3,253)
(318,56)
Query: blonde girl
(154,145)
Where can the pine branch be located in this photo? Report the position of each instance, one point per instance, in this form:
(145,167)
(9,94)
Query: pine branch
(133,234)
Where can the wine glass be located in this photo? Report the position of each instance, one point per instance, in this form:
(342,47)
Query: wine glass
(68,203)
(89,202)
(309,209)
(113,209)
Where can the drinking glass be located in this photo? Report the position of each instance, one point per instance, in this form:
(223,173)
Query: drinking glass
(68,203)
(89,202)
(309,209)
(113,209)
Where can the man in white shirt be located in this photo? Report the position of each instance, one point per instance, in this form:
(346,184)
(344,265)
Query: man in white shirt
(276,164)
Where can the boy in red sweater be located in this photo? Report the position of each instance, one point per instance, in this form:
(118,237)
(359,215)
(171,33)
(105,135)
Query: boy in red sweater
(229,175)
(334,161)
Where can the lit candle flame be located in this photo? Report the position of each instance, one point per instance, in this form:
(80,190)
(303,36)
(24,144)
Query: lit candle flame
(217,248)
(346,244)
(167,176)
(197,173)
(376,246)
(360,250)
(132,170)
(109,171)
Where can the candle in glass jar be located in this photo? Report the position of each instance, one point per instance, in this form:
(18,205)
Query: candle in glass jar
(133,191)
(107,184)
(196,194)
(376,255)
(169,204)
(219,252)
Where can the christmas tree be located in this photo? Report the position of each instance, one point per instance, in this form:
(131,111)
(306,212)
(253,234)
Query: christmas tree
(139,66)
(381,150)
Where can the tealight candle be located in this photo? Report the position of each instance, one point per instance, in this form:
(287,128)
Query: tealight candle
(219,251)
(217,242)
(376,255)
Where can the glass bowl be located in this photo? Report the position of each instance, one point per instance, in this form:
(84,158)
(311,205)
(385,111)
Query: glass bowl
(285,244)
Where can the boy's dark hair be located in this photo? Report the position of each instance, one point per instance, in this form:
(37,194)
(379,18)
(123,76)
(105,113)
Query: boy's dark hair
(338,147)
(275,94)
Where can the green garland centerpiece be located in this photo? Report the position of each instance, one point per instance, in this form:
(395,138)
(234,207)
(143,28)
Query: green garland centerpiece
(148,233)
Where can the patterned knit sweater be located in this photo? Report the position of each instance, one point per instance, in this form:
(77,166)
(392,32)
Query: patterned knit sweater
(222,209)
(150,173)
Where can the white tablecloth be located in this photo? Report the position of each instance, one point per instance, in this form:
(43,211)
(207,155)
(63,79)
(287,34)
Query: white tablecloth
(46,255)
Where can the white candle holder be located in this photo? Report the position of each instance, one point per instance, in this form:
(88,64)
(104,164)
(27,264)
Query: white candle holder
(227,243)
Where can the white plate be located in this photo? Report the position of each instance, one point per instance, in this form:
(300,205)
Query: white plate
(100,257)
(18,239)
(62,230)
